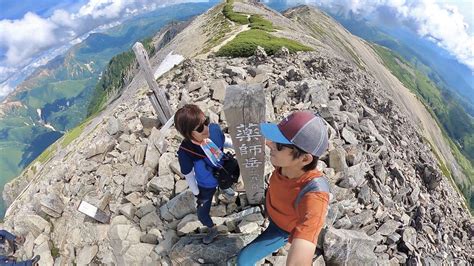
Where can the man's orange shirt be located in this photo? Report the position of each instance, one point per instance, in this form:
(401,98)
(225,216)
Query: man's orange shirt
(306,221)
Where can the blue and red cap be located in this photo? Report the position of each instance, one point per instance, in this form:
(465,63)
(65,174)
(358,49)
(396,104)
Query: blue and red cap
(302,129)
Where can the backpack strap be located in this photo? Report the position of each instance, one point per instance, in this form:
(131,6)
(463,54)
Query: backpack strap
(192,152)
(319,184)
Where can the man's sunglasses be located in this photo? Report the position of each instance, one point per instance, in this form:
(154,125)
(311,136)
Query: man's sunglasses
(280,146)
(200,128)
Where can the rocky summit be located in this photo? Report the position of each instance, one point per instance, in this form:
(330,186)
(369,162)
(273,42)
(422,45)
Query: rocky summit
(391,205)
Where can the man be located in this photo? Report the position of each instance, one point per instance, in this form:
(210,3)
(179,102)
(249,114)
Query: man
(295,144)
(8,246)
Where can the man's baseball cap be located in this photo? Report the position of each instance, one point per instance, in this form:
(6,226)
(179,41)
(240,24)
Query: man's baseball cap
(302,129)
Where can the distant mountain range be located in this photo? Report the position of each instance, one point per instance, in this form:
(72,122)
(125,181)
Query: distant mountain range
(55,97)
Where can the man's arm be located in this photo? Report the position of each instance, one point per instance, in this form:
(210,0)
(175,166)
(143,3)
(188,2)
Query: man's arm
(301,252)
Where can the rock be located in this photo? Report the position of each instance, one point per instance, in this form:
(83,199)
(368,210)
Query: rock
(178,207)
(343,223)
(218,211)
(218,88)
(357,172)
(190,249)
(34,224)
(135,198)
(149,221)
(165,161)
(233,71)
(113,126)
(353,155)
(149,239)
(42,248)
(148,123)
(139,155)
(337,159)
(136,254)
(152,157)
(260,54)
(388,228)
(342,246)
(393,238)
(180,186)
(145,209)
(188,224)
(363,218)
(128,210)
(192,86)
(431,177)
(163,183)
(380,172)
(314,91)
(364,195)
(283,52)
(102,146)
(86,254)
(156,139)
(246,227)
(349,136)
(137,179)
(170,238)
(409,238)
(52,205)
(293,74)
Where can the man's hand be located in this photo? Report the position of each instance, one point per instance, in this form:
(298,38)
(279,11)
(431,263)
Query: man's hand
(301,253)
(20,240)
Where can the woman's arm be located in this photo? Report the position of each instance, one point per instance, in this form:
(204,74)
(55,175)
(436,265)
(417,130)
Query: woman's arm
(192,183)
(227,142)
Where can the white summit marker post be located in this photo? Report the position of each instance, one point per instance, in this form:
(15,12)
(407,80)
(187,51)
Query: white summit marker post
(244,108)
(156,95)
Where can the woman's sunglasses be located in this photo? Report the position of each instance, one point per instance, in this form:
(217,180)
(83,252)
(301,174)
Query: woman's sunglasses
(200,128)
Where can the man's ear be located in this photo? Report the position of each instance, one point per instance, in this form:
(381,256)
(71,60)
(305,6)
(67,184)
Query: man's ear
(307,159)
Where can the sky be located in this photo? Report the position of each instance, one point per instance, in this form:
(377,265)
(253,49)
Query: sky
(30,28)
(448,23)
(33,31)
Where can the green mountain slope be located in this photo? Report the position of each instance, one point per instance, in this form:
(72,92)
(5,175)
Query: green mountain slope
(61,91)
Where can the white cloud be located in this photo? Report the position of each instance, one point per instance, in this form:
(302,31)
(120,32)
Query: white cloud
(442,23)
(27,38)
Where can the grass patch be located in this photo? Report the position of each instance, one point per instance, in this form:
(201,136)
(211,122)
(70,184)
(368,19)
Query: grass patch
(46,154)
(257,22)
(74,133)
(233,16)
(245,43)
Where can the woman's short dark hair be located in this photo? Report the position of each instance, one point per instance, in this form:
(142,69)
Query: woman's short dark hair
(187,118)
(297,153)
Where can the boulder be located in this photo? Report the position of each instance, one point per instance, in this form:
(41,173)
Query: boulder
(342,246)
(190,250)
(137,179)
(178,207)
(163,183)
(86,254)
(188,224)
(218,88)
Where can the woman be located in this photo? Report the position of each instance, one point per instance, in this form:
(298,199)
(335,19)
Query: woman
(199,154)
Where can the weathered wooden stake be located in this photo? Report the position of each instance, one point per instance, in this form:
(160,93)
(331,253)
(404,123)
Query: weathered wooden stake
(163,109)
(244,108)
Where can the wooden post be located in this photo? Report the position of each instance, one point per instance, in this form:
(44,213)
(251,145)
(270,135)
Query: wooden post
(244,108)
(164,111)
